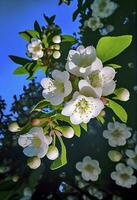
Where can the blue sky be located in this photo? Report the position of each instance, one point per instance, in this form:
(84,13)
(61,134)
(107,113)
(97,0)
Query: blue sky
(16,16)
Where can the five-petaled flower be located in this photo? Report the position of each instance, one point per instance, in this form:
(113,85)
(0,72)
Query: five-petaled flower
(94,23)
(123,176)
(89,169)
(57,87)
(117,134)
(99,82)
(82,109)
(81,61)
(103,8)
(35,49)
(132,160)
(35,143)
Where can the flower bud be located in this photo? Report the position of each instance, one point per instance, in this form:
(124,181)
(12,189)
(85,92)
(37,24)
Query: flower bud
(14,127)
(122,94)
(56,39)
(34,162)
(56,54)
(15,178)
(55,46)
(67,131)
(35,122)
(115,156)
(53,153)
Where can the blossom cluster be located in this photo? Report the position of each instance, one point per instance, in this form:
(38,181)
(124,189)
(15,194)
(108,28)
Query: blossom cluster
(100,9)
(94,81)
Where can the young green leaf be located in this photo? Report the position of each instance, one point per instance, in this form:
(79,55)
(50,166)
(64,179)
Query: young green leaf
(69,38)
(109,47)
(84,126)
(62,160)
(25,36)
(42,104)
(20,70)
(115,66)
(118,110)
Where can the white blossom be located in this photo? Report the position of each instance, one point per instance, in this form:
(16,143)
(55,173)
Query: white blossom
(103,8)
(132,160)
(56,54)
(99,82)
(81,61)
(94,23)
(35,143)
(35,49)
(89,169)
(117,134)
(82,109)
(57,87)
(123,176)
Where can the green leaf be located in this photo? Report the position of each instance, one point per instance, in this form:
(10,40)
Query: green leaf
(19,60)
(37,27)
(25,36)
(109,47)
(33,33)
(42,104)
(118,110)
(20,70)
(62,160)
(69,38)
(84,126)
(100,119)
(76,128)
(115,66)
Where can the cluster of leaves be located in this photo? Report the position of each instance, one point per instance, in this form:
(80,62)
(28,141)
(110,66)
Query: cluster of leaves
(45,34)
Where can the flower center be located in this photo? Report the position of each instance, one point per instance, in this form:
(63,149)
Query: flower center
(59,86)
(102,6)
(36,142)
(89,168)
(135,159)
(82,106)
(37,48)
(95,79)
(124,176)
(117,133)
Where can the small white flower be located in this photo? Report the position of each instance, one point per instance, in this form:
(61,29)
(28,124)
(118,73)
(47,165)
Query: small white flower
(82,60)
(132,160)
(82,109)
(89,169)
(98,83)
(103,8)
(94,23)
(56,89)
(35,143)
(117,134)
(35,49)
(123,176)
